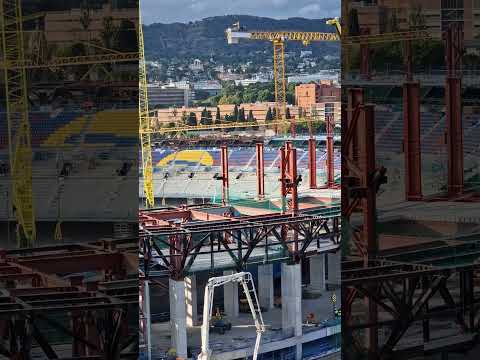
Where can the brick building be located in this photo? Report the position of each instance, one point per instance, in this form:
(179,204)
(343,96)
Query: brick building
(307,95)
(259,111)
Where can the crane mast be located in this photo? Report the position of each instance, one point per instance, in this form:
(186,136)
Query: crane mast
(19,141)
(145,128)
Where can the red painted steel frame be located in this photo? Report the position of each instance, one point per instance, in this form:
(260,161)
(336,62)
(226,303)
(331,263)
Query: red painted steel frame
(225,179)
(260,171)
(453,97)
(411,136)
(312,163)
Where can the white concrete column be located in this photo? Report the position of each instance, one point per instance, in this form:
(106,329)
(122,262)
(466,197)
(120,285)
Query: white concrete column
(178,317)
(317,272)
(265,286)
(292,302)
(334,268)
(230,297)
(191,300)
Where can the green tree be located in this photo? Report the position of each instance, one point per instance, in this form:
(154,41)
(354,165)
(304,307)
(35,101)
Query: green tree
(417,19)
(265,95)
(85,17)
(235,113)
(287,114)
(241,115)
(250,117)
(203,118)
(109,33)
(209,118)
(269,115)
(184,118)
(192,119)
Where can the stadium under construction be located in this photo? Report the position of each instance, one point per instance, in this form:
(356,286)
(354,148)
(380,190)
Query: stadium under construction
(268,207)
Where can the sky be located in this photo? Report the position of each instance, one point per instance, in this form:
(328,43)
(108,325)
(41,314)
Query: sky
(169,11)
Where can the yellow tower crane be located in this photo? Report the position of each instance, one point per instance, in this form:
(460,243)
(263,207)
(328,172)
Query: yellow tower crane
(278,39)
(145,128)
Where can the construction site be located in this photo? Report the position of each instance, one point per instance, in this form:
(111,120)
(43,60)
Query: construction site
(410,182)
(68,143)
(255,217)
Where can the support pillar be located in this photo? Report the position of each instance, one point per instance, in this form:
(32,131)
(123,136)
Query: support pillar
(265,286)
(454,136)
(411,135)
(79,330)
(191,300)
(260,171)
(334,268)
(453,94)
(225,178)
(178,317)
(317,272)
(312,163)
(329,156)
(292,303)
(230,297)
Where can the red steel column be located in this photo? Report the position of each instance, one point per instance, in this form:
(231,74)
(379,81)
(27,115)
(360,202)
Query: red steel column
(293,180)
(312,163)
(411,135)
(365,58)
(225,180)
(453,95)
(260,171)
(329,159)
(366,132)
(283,178)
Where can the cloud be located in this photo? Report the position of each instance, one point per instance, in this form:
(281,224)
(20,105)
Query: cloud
(279,3)
(310,10)
(328,8)
(198,6)
(168,11)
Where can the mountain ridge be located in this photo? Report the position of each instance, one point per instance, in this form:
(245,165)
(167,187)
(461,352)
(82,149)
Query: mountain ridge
(202,38)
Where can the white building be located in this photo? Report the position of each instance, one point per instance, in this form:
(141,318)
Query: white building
(306,53)
(196,66)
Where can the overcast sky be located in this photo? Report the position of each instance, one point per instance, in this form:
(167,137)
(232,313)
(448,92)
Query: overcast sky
(168,11)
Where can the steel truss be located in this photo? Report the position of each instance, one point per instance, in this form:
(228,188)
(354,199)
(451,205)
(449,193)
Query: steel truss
(179,246)
(35,298)
(403,291)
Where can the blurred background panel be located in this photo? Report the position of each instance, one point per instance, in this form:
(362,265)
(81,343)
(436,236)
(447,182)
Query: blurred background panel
(410,170)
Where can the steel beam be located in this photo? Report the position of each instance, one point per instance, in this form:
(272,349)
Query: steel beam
(411,138)
(453,98)
(225,178)
(312,163)
(260,171)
